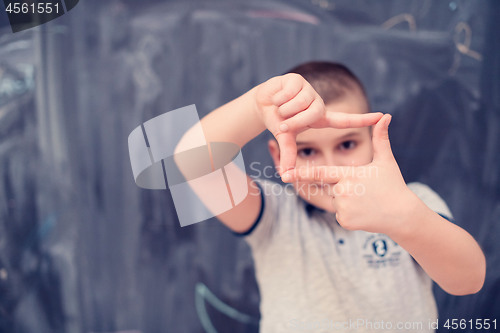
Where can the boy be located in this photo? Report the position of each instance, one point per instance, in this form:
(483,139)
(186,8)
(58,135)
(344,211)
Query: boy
(352,248)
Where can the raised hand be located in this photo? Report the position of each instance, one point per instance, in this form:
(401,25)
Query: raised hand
(372,197)
(288,105)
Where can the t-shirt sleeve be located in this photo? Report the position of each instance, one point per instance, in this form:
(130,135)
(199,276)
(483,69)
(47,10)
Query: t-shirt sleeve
(265,226)
(431,199)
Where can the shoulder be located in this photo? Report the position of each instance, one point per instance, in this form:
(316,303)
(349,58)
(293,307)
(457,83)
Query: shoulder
(279,203)
(278,198)
(431,199)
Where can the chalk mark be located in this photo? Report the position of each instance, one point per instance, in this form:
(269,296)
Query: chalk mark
(202,294)
(393,21)
(463,46)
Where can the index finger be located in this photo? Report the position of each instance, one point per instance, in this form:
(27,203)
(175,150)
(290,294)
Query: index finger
(348,120)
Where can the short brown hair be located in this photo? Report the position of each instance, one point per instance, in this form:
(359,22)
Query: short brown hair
(331,80)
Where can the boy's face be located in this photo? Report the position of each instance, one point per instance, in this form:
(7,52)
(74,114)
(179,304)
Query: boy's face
(330,147)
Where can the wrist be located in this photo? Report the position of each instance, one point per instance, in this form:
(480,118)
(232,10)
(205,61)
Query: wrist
(250,119)
(412,216)
(255,107)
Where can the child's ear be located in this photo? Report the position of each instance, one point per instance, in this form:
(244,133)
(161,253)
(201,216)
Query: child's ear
(274,150)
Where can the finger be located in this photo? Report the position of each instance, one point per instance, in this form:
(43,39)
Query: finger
(334,204)
(288,151)
(317,174)
(329,189)
(338,189)
(381,143)
(337,217)
(348,120)
(291,85)
(303,120)
(343,189)
(297,104)
(267,90)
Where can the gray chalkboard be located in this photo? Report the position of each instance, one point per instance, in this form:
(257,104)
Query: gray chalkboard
(83,249)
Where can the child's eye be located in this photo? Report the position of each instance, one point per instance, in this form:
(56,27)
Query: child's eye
(347,145)
(306,152)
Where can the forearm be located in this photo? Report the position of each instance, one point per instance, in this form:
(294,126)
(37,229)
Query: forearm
(449,254)
(236,121)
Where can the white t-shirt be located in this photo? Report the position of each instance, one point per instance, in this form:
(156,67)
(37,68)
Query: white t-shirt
(315,276)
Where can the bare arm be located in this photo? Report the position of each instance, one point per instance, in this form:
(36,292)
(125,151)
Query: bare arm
(449,254)
(236,122)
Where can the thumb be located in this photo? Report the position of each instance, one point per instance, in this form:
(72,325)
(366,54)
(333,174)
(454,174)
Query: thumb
(288,151)
(381,144)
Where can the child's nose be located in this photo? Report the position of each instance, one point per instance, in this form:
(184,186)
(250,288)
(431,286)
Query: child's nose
(331,159)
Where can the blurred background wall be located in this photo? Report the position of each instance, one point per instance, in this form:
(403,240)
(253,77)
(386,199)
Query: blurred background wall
(83,249)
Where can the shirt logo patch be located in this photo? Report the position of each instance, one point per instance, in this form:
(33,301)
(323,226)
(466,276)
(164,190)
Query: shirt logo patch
(380,247)
(380,251)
